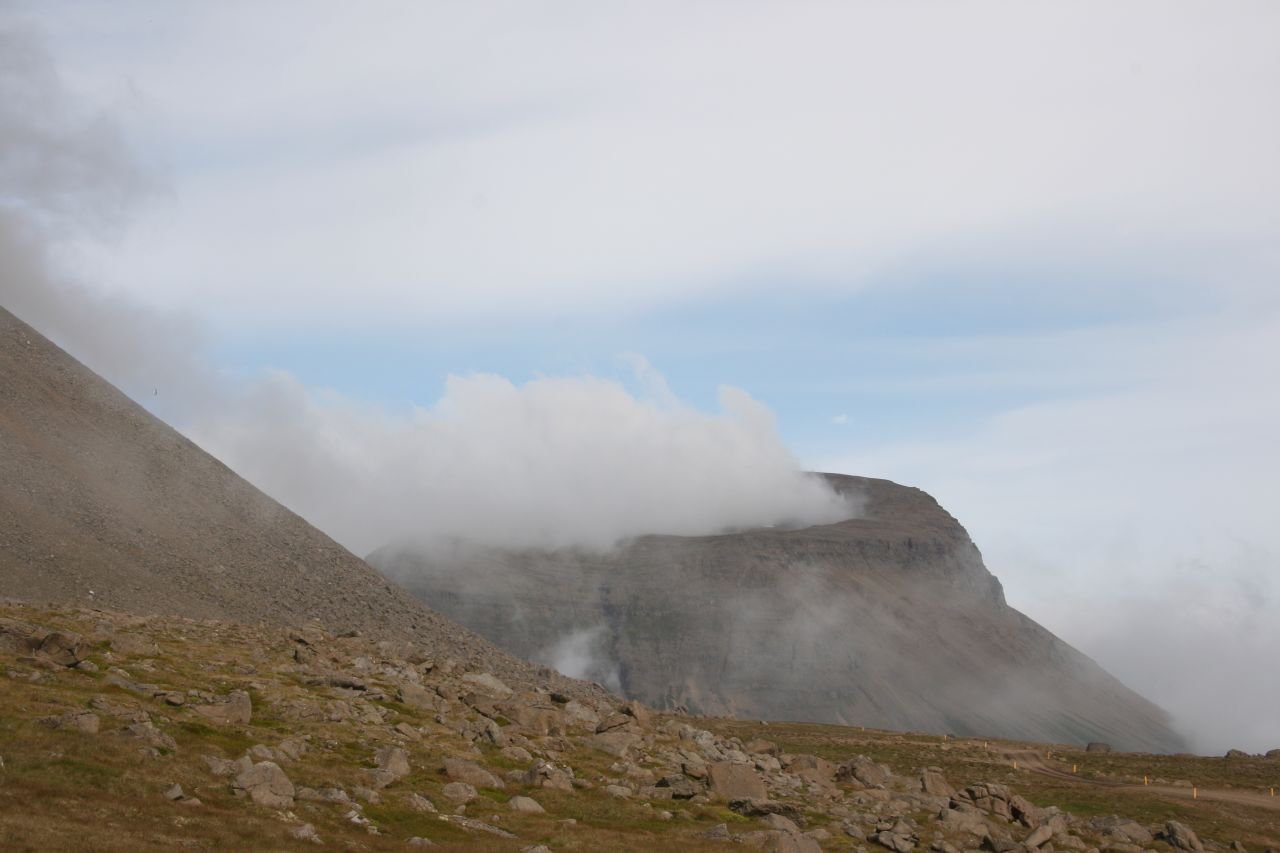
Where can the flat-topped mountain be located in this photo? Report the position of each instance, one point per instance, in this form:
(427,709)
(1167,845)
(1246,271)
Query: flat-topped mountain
(102,504)
(888,619)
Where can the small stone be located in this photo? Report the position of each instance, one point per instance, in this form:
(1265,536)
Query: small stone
(367,795)
(174,793)
(306,832)
(419,803)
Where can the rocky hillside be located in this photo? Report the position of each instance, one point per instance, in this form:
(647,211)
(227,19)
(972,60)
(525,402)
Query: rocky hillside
(888,619)
(122,733)
(101,503)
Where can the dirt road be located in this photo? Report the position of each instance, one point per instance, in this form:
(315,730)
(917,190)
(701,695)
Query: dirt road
(1034,762)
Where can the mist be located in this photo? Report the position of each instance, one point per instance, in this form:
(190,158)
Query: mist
(574,460)
(588,460)
(551,463)
(66,177)
(582,653)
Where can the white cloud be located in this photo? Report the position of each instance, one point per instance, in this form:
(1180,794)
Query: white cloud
(556,462)
(840,420)
(1138,524)
(434,160)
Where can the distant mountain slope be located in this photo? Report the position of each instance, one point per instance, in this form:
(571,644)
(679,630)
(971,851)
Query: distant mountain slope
(888,619)
(102,503)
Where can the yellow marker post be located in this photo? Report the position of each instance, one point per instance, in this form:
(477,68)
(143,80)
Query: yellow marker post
(1015,765)
(1146,781)
(1273,792)
(1195,793)
(1074,767)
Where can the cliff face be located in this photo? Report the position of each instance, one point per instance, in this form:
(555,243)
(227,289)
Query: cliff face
(888,619)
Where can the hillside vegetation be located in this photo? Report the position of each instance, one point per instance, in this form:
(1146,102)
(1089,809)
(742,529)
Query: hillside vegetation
(122,733)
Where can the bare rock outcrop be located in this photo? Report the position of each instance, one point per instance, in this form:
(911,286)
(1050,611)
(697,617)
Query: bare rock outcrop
(888,619)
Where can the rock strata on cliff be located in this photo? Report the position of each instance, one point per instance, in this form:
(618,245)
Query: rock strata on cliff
(887,619)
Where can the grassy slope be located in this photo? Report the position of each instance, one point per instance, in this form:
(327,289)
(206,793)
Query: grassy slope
(64,790)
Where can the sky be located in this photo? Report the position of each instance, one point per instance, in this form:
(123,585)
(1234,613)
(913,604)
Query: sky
(584,268)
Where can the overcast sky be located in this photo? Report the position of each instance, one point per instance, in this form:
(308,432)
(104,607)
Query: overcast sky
(1021,255)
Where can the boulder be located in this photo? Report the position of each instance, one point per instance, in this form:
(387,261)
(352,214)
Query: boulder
(543,774)
(527,805)
(637,710)
(266,784)
(729,781)
(64,648)
(321,795)
(957,820)
(473,774)
(617,743)
(459,792)
(1039,835)
(681,787)
(811,768)
(392,766)
(306,832)
(1097,746)
(148,733)
(863,770)
(1181,837)
(762,808)
(85,722)
(417,696)
(421,804)
(540,720)
(1123,829)
(134,645)
(488,684)
(933,783)
(581,716)
(762,747)
(236,709)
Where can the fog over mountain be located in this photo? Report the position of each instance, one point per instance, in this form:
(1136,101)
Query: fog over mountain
(1077,502)
(559,460)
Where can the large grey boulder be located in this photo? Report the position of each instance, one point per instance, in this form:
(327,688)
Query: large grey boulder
(729,781)
(864,770)
(393,765)
(933,783)
(473,774)
(1181,837)
(266,784)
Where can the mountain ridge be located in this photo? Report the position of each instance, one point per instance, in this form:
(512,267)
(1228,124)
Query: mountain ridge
(887,619)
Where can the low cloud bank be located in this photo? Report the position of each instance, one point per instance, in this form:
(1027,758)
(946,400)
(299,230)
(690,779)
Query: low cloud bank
(555,462)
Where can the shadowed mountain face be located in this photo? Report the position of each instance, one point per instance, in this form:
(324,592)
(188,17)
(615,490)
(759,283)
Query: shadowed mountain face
(888,619)
(102,504)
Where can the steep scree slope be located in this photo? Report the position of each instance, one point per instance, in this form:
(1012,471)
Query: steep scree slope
(103,504)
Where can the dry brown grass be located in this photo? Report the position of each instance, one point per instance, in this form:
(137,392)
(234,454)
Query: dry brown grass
(62,790)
